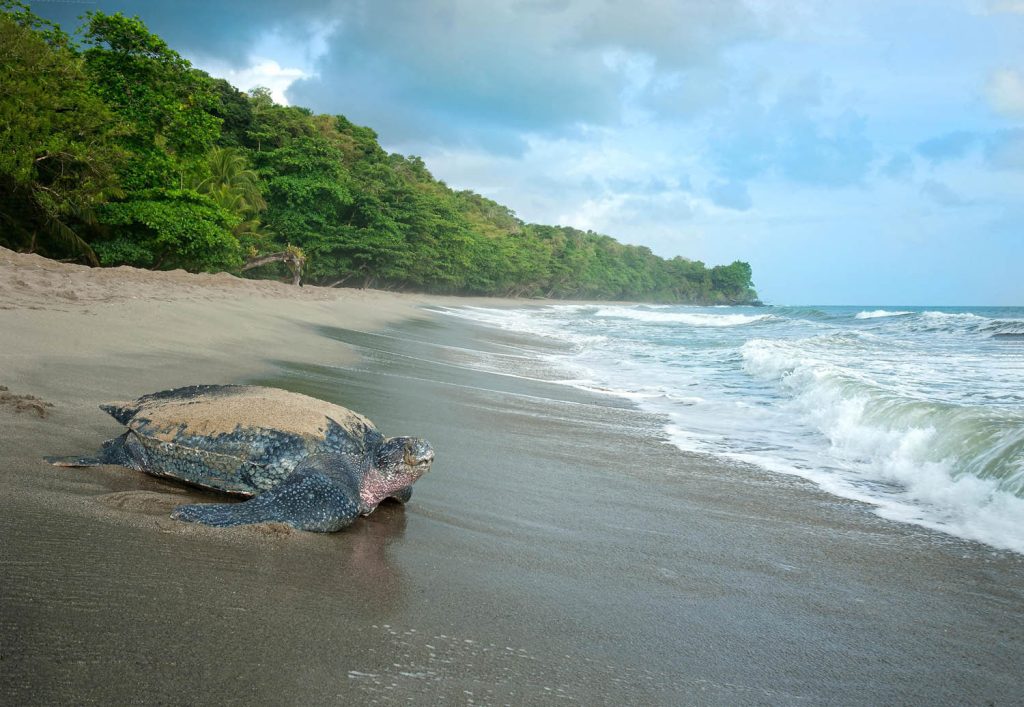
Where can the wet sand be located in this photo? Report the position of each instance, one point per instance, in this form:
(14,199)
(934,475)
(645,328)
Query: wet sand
(558,551)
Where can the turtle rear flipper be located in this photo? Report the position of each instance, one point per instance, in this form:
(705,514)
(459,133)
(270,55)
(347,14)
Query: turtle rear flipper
(309,499)
(123,412)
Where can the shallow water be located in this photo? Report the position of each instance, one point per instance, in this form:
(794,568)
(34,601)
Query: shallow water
(918,411)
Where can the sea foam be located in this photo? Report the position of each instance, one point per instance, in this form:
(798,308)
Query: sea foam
(698,319)
(957,468)
(919,412)
(879,313)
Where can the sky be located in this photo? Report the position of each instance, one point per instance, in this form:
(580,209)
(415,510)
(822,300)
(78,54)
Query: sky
(853,152)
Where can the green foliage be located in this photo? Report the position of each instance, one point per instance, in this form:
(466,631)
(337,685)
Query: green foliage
(226,171)
(165,100)
(225,176)
(488,218)
(273,126)
(49,32)
(307,187)
(314,203)
(172,228)
(235,111)
(126,152)
(733,281)
(57,151)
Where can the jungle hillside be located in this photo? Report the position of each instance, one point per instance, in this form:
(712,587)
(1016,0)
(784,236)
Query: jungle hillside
(115,150)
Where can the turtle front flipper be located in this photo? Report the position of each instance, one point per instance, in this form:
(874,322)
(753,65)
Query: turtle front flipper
(74,462)
(309,499)
(125,450)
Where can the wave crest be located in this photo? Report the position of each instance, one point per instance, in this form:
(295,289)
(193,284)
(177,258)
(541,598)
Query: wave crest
(966,462)
(879,313)
(700,319)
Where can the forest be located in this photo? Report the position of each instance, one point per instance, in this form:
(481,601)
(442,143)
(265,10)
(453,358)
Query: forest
(115,150)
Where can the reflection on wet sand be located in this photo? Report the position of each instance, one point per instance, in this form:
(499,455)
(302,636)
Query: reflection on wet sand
(355,561)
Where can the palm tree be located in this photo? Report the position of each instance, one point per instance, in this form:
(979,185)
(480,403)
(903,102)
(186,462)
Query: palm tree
(231,177)
(235,187)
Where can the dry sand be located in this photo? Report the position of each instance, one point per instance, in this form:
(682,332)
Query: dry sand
(557,552)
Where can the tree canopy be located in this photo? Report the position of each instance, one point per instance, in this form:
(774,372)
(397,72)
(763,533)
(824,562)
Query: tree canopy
(115,150)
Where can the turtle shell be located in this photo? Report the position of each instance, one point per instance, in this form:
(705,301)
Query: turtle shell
(240,439)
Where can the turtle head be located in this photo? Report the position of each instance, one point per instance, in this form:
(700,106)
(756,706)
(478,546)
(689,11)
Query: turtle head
(400,461)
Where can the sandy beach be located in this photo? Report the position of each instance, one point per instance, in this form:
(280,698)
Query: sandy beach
(559,550)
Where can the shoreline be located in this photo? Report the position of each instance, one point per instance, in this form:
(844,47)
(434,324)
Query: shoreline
(556,549)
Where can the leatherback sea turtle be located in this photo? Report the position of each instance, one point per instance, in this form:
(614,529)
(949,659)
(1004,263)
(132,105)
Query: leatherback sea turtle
(308,463)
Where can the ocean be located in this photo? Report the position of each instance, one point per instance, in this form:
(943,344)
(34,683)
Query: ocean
(918,411)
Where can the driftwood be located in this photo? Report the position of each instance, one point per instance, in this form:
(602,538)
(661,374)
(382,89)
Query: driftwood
(292,260)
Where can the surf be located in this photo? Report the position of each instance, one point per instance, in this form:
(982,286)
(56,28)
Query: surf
(916,411)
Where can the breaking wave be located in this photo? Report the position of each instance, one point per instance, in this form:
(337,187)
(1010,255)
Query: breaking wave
(917,411)
(953,467)
(698,319)
(878,314)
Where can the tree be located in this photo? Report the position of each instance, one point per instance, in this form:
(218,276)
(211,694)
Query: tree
(274,126)
(235,111)
(733,281)
(171,228)
(164,100)
(226,170)
(226,177)
(58,158)
(168,108)
(125,153)
(308,194)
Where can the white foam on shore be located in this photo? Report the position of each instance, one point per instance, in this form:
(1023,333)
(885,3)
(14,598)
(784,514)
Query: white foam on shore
(947,467)
(866,414)
(878,314)
(524,321)
(698,319)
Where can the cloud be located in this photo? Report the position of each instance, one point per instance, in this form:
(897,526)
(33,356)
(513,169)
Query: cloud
(248,43)
(730,195)
(792,134)
(677,33)
(1005,92)
(951,146)
(658,220)
(459,71)
(1013,7)
(466,72)
(263,72)
(1001,149)
(941,194)
(471,72)
(1005,149)
(835,154)
(899,166)
(303,46)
